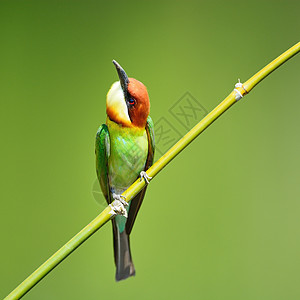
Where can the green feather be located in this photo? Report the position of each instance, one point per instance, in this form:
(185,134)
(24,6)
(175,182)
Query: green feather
(102,154)
(121,154)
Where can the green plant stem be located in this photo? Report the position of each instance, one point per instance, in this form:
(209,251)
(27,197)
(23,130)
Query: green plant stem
(108,213)
(61,254)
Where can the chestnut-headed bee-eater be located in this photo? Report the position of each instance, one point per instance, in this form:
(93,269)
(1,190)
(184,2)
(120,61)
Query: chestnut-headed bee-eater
(124,150)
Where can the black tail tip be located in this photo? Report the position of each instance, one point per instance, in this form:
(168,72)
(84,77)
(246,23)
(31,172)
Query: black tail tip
(126,273)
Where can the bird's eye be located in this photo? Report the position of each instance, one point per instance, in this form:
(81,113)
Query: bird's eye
(131,101)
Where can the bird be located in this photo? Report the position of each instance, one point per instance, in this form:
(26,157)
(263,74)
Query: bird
(124,150)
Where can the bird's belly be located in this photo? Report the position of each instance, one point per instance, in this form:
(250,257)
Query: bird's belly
(127,159)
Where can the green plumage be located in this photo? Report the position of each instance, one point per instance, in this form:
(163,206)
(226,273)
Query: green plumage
(121,154)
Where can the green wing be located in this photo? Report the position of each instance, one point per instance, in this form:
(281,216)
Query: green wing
(102,147)
(151,142)
(136,202)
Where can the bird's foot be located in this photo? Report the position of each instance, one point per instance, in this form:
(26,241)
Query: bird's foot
(119,205)
(144,175)
(121,198)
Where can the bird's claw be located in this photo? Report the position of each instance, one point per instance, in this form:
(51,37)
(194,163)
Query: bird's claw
(121,198)
(145,176)
(120,204)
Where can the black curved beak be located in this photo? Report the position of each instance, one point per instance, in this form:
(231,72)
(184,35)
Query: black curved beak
(122,76)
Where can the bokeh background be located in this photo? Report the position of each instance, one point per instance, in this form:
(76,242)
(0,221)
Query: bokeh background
(222,220)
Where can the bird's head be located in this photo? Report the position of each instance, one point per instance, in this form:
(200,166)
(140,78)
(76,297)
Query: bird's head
(127,101)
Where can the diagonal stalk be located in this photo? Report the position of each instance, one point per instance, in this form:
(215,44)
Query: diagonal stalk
(109,213)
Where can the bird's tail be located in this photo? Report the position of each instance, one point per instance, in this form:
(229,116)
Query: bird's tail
(123,260)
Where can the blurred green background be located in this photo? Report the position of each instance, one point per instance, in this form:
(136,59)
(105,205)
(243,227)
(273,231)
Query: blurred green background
(222,220)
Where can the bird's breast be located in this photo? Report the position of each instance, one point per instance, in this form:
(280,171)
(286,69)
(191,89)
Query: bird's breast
(128,155)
